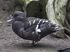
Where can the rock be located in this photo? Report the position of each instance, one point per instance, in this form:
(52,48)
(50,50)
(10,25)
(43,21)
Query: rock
(35,9)
(60,34)
(1,22)
(65,50)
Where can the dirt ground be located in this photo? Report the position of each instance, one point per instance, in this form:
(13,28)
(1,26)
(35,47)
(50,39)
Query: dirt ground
(10,42)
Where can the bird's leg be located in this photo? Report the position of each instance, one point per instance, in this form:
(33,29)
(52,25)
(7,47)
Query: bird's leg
(33,42)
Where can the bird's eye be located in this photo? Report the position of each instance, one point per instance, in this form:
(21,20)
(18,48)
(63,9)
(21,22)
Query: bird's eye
(15,15)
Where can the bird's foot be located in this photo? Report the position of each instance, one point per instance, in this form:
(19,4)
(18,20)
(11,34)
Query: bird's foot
(34,43)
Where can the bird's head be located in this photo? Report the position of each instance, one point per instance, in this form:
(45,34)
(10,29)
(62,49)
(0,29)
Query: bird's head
(17,16)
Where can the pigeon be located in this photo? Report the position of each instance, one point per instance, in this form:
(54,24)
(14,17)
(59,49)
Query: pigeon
(64,50)
(32,28)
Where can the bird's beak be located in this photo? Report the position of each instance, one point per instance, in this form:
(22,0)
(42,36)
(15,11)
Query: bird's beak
(10,19)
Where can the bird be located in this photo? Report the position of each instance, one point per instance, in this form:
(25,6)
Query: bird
(64,50)
(31,28)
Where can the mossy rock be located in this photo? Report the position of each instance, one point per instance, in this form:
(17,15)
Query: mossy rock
(19,4)
(35,9)
(67,18)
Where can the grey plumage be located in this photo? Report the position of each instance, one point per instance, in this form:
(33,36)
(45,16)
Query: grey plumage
(31,28)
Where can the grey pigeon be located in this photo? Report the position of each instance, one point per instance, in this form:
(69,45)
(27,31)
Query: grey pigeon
(31,28)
